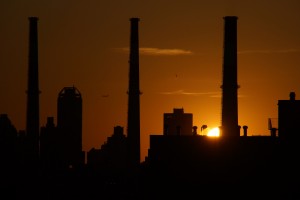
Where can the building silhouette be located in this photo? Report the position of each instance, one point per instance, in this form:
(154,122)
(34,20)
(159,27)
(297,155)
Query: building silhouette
(8,145)
(180,163)
(69,125)
(50,155)
(61,145)
(238,167)
(288,117)
(229,87)
(178,123)
(111,158)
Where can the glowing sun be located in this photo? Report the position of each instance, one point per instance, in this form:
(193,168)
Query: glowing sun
(214,132)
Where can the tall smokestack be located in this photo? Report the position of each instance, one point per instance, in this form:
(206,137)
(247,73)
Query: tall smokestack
(230,85)
(32,117)
(133,125)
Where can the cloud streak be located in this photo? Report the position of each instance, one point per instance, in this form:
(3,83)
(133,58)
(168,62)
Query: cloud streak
(181,92)
(210,94)
(158,51)
(269,51)
(170,52)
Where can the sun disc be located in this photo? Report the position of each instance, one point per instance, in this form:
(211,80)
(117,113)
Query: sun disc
(214,132)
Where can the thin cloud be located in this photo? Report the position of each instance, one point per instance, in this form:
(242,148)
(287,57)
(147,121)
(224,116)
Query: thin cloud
(181,92)
(220,95)
(158,51)
(216,95)
(210,94)
(170,52)
(269,51)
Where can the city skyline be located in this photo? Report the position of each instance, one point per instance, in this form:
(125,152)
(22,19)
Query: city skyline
(179,69)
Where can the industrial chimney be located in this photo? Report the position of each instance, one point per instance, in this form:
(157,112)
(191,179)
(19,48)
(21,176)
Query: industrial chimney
(32,116)
(230,86)
(133,125)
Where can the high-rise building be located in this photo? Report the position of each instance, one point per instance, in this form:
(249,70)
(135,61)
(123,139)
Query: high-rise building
(69,125)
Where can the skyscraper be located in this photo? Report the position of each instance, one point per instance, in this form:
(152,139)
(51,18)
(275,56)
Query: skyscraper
(69,125)
(230,85)
(133,125)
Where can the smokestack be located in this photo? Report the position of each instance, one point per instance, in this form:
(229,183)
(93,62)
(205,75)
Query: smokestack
(32,117)
(230,86)
(133,125)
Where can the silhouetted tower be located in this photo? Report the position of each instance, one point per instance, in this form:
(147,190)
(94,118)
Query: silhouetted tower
(69,124)
(32,117)
(230,86)
(133,123)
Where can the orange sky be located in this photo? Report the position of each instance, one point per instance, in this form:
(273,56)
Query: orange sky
(82,43)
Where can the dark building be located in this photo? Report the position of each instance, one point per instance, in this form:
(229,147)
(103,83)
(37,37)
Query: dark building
(8,143)
(229,86)
(289,117)
(8,133)
(9,154)
(133,123)
(178,123)
(69,125)
(49,142)
(32,116)
(111,157)
(249,166)
(252,165)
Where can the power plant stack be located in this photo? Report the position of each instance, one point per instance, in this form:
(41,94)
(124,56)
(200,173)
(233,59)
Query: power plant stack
(32,116)
(133,124)
(230,85)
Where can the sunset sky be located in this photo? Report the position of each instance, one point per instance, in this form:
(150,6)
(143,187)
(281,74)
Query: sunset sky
(85,44)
